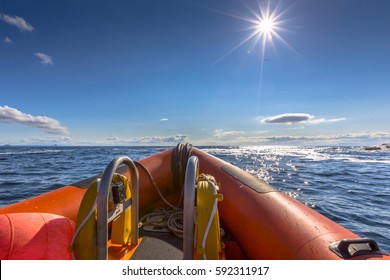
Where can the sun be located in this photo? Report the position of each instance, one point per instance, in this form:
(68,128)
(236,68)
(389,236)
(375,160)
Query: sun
(266,23)
(266,27)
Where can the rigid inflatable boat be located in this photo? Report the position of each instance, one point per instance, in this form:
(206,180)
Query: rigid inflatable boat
(181,203)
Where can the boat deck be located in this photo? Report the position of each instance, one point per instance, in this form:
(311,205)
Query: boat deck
(158,246)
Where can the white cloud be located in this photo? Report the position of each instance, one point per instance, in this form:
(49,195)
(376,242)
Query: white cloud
(288,118)
(49,125)
(46,141)
(161,139)
(222,133)
(7,40)
(298,118)
(163,119)
(19,22)
(323,120)
(45,59)
(155,140)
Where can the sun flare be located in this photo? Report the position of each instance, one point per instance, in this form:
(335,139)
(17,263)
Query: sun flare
(266,27)
(266,24)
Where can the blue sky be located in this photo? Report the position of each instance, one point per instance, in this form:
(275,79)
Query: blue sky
(151,72)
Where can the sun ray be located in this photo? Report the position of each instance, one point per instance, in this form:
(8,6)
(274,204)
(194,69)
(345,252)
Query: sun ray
(265,25)
(253,34)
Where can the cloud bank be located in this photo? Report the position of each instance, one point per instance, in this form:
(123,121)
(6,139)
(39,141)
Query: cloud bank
(297,118)
(45,59)
(150,140)
(19,22)
(14,116)
(222,133)
(337,139)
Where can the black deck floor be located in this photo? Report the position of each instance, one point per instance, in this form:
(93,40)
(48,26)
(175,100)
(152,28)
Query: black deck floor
(158,246)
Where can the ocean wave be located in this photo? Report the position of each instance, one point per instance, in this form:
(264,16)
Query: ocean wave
(360,160)
(30,152)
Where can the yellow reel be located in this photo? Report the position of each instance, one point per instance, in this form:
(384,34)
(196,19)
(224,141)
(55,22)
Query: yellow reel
(208,236)
(84,244)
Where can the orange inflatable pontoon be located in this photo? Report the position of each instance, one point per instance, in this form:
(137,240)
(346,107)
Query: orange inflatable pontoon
(181,203)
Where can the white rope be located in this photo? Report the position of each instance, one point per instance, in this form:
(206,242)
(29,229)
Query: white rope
(175,223)
(171,219)
(165,218)
(156,187)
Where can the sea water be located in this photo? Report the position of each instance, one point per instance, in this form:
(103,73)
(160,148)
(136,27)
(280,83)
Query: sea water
(349,185)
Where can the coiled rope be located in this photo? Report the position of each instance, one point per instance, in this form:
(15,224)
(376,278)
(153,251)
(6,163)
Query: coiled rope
(172,219)
(164,218)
